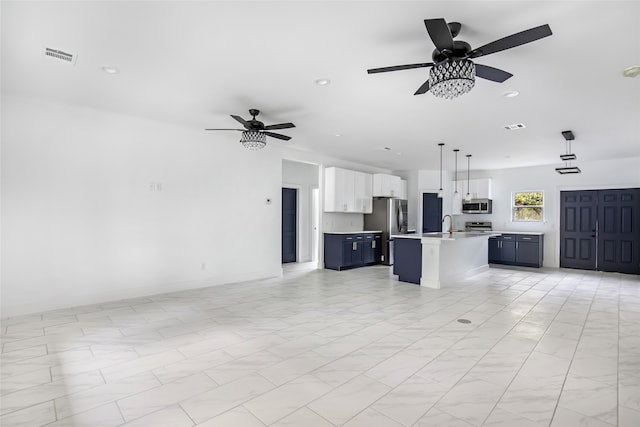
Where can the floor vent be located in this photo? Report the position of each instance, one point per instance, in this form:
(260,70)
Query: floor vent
(61,55)
(515,126)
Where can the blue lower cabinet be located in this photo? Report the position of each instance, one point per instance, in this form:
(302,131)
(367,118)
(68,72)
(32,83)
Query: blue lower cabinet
(529,250)
(516,249)
(407,262)
(343,251)
(377,248)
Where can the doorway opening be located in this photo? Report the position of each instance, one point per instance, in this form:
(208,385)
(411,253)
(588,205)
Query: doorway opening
(431,213)
(289,224)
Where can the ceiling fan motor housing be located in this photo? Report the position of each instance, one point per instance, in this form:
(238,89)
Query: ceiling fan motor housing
(460,50)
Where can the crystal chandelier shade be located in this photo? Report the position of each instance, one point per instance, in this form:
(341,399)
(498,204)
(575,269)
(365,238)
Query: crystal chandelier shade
(253,140)
(453,78)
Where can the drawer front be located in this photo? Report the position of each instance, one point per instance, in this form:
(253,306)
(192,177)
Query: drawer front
(528,238)
(511,237)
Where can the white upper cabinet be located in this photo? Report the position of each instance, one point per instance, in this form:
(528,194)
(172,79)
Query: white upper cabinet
(347,191)
(481,188)
(477,188)
(386,185)
(363,192)
(404,191)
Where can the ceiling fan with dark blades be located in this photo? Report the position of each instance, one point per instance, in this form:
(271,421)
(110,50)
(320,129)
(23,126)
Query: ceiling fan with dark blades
(257,127)
(452,70)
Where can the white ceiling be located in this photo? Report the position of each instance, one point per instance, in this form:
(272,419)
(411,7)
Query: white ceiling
(195,63)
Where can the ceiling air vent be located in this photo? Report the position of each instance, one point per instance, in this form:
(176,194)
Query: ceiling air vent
(60,55)
(515,126)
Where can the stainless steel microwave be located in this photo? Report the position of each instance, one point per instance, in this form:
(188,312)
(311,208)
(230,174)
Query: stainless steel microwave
(477,206)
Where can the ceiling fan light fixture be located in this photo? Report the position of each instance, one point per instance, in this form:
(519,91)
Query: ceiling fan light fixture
(253,140)
(452,78)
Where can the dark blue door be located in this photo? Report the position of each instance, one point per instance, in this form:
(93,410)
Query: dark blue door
(289,220)
(619,230)
(431,213)
(578,222)
(600,230)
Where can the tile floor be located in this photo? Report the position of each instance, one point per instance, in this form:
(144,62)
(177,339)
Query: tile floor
(325,348)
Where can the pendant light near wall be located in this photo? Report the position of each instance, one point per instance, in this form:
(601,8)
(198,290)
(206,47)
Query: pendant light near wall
(440,191)
(457,197)
(467,197)
(455,150)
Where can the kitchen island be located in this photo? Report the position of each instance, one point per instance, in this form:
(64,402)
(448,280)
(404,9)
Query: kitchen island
(433,259)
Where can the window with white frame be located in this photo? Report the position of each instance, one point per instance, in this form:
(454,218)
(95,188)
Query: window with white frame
(527,206)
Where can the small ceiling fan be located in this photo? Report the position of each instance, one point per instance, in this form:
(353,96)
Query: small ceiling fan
(452,58)
(256,126)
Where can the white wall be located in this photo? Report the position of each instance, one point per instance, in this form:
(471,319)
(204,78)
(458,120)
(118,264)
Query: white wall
(81,225)
(304,178)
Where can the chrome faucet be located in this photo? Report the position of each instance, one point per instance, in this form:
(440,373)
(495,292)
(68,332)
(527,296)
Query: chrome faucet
(450,223)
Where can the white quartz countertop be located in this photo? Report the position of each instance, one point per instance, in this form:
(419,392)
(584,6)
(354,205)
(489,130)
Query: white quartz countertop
(353,232)
(533,233)
(457,235)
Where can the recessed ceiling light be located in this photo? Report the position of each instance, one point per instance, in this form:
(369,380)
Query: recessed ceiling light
(511,94)
(322,82)
(632,71)
(110,70)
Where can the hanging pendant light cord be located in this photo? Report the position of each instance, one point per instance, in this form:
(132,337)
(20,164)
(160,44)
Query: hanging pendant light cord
(441,167)
(456,151)
(468,167)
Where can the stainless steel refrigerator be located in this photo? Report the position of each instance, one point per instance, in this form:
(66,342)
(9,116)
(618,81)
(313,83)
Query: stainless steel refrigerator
(389,216)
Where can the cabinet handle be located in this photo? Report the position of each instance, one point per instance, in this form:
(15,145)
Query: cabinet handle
(516,245)
(526,238)
(373,244)
(354,246)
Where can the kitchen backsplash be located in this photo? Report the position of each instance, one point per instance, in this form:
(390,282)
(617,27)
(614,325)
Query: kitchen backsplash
(333,221)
